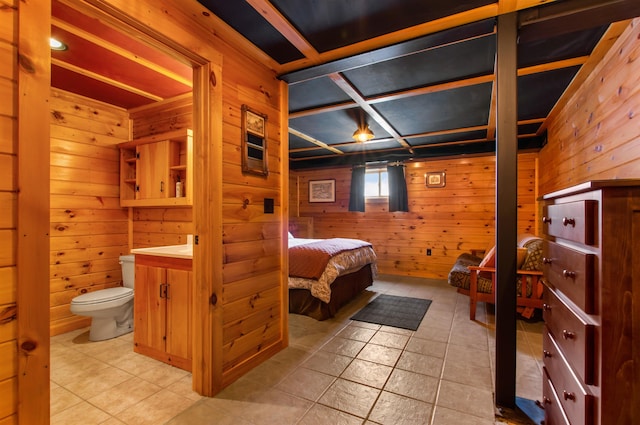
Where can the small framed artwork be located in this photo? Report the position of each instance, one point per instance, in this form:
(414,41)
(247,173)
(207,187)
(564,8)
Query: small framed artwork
(434,179)
(322,190)
(254,142)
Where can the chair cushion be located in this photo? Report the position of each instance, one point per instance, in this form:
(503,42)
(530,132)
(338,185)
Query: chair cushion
(460,277)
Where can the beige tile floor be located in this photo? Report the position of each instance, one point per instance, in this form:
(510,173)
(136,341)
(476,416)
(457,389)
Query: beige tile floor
(333,372)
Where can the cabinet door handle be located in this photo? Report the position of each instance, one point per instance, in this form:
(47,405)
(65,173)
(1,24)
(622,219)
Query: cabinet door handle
(546,260)
(166,290)
(546,307)
(568,274)
(568,395)
(162,290)
(546,353)
(566,221)
(161,187)
(567,334)
(546,400)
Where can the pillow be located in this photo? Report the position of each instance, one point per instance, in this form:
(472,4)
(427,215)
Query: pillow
(291,236)
(533,260)
(489,260)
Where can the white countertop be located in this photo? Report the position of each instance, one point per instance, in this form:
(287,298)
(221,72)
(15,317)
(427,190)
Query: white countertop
(175,251)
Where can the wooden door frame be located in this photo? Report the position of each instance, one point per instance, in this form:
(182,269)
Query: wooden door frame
(32,245)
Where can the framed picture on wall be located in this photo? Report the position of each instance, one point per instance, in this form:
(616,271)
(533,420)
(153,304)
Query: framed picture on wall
(322,190)
(436,179)
(254,142)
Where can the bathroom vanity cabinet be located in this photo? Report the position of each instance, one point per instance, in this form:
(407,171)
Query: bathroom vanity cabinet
(162,309)
(151,166)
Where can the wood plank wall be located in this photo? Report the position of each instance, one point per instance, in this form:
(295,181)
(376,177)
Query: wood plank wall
(89,229)
(595,134)
(8,215)
(450,220)
(252,240)
(162,226)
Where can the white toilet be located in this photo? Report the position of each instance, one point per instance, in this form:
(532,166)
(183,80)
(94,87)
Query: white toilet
(111,309)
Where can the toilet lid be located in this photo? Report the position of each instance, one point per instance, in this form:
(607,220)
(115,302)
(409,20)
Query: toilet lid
(103,295)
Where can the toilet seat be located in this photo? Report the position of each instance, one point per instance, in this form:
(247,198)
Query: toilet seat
(101,299)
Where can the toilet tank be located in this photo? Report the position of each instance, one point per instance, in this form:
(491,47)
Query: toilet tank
(128,270)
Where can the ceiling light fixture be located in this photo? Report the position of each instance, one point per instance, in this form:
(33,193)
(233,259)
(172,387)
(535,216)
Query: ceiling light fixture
(363,134)
(57,44)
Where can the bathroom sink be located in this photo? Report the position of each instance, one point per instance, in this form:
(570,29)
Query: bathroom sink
(175,251)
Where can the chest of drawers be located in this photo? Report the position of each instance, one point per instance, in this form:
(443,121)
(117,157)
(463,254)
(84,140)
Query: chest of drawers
(591,343)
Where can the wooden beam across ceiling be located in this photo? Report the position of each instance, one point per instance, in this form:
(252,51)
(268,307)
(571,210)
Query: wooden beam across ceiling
(121,51)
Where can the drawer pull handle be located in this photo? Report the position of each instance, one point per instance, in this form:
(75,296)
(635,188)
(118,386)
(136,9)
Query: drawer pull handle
(546,260)
(568,396)
(546,353)
(546,307)
(546,220)
(568,334)
(566,221)
(568,274)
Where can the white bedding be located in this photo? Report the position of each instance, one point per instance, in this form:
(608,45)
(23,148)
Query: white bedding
(342,264)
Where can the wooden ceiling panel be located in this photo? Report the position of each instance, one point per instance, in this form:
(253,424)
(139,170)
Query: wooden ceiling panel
(538,93)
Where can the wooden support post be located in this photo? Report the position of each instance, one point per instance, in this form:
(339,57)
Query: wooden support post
(506,209)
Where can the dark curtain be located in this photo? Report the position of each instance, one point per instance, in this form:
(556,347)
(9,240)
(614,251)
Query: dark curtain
(356,197)
(398,199)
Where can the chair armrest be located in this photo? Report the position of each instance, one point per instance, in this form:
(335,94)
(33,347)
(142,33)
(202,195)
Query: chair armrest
(482,269)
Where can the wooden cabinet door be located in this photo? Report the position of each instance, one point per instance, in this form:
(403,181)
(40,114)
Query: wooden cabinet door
(179,315)
(153,170)
(149,308)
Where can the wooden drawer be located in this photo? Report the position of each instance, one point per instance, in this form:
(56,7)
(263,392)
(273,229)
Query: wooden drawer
(574,336)
(571,272)
(553,413)
(576,402)
(574,221)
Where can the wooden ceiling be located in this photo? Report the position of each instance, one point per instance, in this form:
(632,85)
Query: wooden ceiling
(420,73)
(103,63)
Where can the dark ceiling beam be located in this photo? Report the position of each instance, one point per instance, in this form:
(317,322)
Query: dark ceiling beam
(438,26)
(569,16)
(354,94)
(550,66)
(455,35)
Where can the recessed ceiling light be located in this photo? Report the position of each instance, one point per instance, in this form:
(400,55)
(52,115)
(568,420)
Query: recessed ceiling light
(57,44)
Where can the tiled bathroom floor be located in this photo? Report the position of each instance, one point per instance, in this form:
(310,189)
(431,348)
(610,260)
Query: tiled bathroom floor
(333,372)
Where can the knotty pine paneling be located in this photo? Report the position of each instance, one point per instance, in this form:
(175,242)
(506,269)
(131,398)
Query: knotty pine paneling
(595,134)
(8,215)
(88,226)
(252,240)
(449,221)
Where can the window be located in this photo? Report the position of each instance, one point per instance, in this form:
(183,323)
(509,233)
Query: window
(376,183)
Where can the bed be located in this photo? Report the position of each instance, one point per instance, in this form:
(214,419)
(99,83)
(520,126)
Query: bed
(325,274)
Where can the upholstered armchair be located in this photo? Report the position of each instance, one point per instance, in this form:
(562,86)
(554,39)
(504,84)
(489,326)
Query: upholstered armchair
(476,277)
